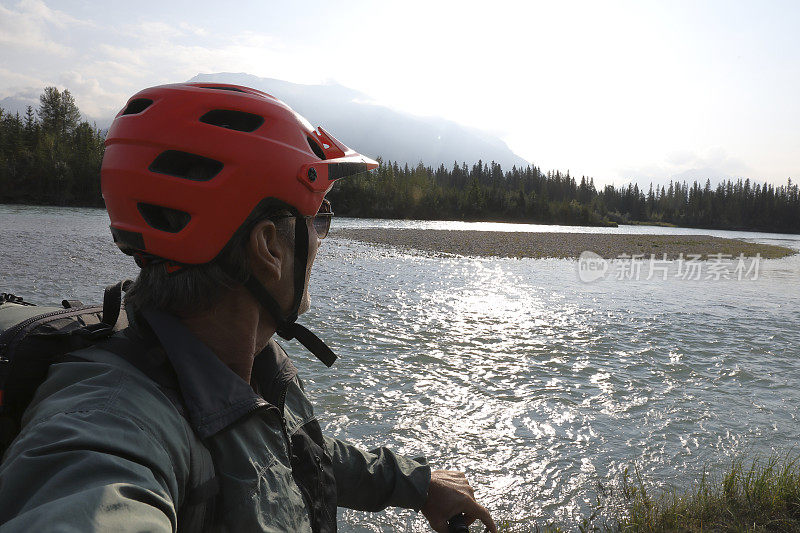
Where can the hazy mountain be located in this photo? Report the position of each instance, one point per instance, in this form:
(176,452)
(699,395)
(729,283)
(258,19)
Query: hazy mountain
(19,103)
(376,130)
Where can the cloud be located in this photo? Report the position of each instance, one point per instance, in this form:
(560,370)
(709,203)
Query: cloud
(18,84)
(713,163)
(194,30)
(27,26)
(39,10)
(152,52)
(156,31)
(110,63)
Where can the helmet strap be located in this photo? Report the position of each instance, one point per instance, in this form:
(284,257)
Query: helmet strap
(286,326)
(300,264)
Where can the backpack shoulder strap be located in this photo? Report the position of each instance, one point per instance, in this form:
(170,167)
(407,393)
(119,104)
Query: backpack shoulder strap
(32,338)
(197,510)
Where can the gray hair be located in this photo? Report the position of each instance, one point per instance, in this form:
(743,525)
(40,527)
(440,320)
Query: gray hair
(195,288)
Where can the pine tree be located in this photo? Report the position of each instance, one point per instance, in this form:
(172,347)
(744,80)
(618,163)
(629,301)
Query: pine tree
(58,112)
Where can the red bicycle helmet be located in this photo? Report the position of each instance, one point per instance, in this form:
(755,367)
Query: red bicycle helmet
(185,164)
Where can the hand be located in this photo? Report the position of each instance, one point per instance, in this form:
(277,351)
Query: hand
(450,494)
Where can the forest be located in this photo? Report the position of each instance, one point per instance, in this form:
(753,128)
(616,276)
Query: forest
(50,156)
(485,192)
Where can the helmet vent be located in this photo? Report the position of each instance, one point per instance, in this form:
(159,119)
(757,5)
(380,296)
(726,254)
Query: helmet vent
(137,106)
(233,120)
(315,148)
(185,165)
(234,89)
(163,218)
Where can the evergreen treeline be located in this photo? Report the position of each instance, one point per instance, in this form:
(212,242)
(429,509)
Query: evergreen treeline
(482,192)
(485,192)
(52,157)
(731,205)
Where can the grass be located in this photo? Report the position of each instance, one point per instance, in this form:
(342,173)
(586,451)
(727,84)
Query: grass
(757,496)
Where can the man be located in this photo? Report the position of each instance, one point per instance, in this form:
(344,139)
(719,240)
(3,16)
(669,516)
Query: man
(193,418)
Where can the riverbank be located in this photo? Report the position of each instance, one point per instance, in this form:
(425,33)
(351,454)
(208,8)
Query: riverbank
(761,495)
(558,245)
(757,495)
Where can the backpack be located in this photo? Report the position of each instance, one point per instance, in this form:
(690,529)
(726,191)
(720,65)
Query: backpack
(33,337)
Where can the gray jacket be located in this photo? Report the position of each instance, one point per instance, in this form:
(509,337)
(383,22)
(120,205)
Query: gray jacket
(105,447)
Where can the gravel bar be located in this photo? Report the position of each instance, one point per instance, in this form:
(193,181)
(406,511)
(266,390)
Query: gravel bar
(558,245)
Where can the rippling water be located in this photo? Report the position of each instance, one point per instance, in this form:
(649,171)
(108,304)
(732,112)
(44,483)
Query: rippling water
(535,384)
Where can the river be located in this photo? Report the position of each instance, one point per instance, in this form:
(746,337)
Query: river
(535,383)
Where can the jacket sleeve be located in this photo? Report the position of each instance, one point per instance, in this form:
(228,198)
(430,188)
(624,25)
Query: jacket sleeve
(374,480)
(87,471)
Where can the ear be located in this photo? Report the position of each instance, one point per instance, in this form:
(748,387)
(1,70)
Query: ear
(266,252)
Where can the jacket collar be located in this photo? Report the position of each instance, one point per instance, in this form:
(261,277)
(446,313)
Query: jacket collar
(215,396)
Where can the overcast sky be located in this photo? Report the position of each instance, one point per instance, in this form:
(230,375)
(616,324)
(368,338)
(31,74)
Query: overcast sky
(613,90)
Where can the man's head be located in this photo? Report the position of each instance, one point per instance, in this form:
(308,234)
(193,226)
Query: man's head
(189,173)
(195,289)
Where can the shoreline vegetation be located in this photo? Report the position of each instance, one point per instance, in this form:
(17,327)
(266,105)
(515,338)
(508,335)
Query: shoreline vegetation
(559,245)
(49,156)
(761,495)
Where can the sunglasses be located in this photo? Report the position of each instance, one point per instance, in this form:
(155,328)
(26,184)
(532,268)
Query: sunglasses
(321,221)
